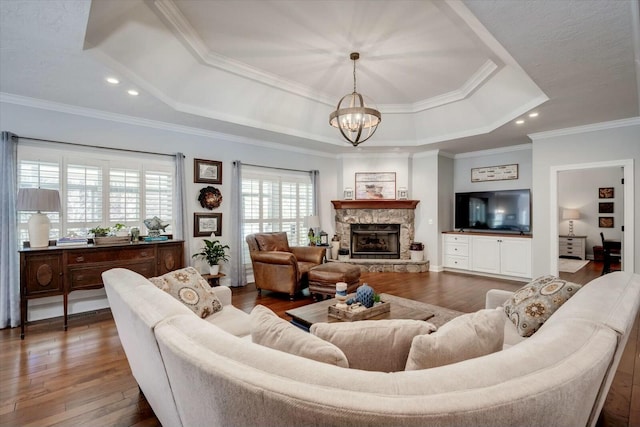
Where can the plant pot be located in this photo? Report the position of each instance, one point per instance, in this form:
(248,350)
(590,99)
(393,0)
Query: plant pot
(214,269)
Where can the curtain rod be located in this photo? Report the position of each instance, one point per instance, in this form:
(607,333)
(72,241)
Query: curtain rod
(271,167)
(95,146)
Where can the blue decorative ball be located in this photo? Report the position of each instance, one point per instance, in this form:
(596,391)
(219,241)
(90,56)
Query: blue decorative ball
(365,295)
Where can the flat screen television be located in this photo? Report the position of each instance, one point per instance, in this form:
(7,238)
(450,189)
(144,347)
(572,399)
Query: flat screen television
(503,211)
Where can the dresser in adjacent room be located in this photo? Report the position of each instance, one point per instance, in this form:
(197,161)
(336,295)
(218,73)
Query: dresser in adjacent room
(572,246)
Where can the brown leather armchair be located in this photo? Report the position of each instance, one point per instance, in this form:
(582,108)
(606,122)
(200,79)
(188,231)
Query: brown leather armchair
(277,266)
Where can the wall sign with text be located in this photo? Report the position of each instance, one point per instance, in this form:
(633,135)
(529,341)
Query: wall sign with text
(494,173)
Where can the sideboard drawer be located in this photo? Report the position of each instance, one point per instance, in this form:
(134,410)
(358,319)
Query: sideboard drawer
(453,261)
(458,249)
(111,254)
(456,238)
(91,276)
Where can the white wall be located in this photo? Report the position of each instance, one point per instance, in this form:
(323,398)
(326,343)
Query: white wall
(578,189)
(605,142)
(520,155)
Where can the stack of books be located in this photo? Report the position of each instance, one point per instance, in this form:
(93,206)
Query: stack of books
(72,241)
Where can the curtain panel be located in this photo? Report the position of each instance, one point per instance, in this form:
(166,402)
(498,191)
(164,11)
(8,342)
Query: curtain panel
(9,258)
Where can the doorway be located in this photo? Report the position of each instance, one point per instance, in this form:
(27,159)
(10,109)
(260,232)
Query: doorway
(585,202)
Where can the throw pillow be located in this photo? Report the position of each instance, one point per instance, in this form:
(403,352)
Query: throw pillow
(374,345)
(187,286)
(271,331)
(530,306)
(465,337)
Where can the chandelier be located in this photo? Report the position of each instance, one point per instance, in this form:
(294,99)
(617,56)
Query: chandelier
(356,122)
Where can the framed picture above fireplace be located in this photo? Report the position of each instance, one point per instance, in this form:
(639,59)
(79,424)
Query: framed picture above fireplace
(375,185)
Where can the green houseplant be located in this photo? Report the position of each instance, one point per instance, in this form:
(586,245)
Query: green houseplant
(213,252)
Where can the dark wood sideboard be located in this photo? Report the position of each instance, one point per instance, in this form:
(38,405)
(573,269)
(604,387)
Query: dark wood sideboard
(51,271)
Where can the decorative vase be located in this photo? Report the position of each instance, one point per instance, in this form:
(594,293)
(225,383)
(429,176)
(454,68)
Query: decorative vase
(365,295)
(334,249)
(417,255)
(214,269)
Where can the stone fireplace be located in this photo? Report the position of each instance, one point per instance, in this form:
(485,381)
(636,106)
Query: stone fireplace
(383,215)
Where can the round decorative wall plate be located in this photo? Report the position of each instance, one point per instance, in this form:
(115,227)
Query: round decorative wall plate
(210,197)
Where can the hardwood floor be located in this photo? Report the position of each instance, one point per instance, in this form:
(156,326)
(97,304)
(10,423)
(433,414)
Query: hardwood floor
(81,377)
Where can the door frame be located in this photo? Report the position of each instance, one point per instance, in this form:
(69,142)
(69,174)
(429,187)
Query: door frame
(628,215)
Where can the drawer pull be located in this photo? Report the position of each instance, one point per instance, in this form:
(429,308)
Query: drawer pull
(80,259)
(143,254)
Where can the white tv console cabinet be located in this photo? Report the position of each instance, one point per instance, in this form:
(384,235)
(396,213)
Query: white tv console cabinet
(493,254)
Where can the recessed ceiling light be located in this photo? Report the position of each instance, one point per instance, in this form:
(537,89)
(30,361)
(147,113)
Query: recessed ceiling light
(533,114)
(112,80)
(519,122)
(133,92)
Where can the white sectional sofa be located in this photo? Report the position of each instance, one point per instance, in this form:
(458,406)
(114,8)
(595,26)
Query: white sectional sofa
(208,372)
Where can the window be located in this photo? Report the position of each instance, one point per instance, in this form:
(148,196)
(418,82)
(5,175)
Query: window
(97,188)
(275,200)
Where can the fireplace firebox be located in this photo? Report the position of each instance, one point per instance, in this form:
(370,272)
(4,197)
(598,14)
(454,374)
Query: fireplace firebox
(375,241)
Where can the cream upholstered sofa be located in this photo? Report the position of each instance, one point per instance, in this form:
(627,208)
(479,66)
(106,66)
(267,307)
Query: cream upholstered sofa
(208,372)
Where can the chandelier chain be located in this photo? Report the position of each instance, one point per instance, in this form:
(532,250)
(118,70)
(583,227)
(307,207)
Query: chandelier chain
(354,76)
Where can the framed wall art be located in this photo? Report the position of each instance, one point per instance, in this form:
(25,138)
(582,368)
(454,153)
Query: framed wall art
(206,223)
(605,207)
(348,193)
(605,222)
(375,185)
(605,192)
(494,173)
(207,171)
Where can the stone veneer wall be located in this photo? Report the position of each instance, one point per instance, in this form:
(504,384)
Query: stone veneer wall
(404,217)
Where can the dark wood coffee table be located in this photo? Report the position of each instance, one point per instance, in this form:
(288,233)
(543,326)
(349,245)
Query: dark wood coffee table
(401,308)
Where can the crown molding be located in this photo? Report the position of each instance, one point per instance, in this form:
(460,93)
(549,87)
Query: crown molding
(154,124)
(632,121)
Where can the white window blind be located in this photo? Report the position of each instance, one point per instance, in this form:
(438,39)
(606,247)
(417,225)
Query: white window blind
(275,200)
(97,188)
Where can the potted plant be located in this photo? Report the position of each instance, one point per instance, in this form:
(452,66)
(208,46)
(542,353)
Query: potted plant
(213,252)
(120,230)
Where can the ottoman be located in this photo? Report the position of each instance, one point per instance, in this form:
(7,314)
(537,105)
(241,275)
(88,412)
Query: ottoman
(323,278)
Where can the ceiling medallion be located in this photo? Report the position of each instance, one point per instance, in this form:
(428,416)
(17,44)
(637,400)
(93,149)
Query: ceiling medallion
(356,122)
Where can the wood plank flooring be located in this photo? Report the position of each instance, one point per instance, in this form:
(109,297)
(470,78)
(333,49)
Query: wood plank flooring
(81,377)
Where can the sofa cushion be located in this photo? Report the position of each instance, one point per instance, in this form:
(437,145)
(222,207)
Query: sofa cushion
(530,306)
(271,331)
(232,320)
(465,337)
(188,287)
(273,242)
(374,345)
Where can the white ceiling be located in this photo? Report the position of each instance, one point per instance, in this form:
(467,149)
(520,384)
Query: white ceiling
(445,74)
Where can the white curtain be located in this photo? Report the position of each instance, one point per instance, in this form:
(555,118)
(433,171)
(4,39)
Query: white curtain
(9,259)
(182,223)
(238,273)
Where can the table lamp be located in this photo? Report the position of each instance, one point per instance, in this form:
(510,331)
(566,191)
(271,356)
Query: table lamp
(570,214)
(38,199)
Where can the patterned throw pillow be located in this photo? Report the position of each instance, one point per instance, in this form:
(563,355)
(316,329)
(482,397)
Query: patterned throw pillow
(187,286)
(534,303)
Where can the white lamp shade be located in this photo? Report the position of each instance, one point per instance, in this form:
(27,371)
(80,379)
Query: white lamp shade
(313,221)
(570,214)
(38,199)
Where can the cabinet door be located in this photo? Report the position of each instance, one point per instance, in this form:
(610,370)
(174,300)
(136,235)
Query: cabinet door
(42,275)
(169,257)
(485,254)
(515,257)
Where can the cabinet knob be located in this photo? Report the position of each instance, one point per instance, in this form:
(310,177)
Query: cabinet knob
(455,249)
(143,254)
(79,259)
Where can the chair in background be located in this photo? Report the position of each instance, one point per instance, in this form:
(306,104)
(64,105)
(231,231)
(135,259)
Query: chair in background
(610,250)
(278,267)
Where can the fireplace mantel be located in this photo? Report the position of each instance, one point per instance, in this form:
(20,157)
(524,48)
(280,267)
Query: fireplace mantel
(375,204)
